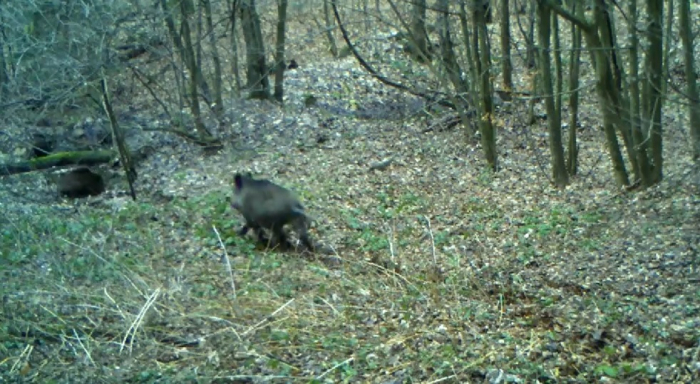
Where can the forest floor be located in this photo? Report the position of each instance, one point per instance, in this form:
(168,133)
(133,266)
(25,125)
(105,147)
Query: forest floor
(449,273)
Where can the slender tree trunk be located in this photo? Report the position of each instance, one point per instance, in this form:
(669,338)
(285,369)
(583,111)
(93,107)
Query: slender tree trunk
(691,76)
(653,85)
(605,88)
(256,66)
(559,174)
(192,69)
(558,74)
(482,56)
(119,139)
(330,25)
(640,143)
(603,84)
(4,70)
(366,13)
(574,70)
(667,40)
(487,11)
(234,9)
(279,49)
(177,42)
(203,84)
(468,48)
(199,39)
(530,39)
(419,38)
(506,63)
(216,60)
(530,62)
(449,60)
(615,94)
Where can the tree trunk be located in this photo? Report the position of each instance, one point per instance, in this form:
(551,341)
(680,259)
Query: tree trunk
(574,71)
(559,174)
(234,9)
(468,49)
(604,21)
(530,39)
(216,60)
(686,33)
(667,40)
(640,143)
(279,50)
(482,58)
(608,96)
(177,42)
(4,75)
(418,37)
(487,11)
(330,25)
(449,61)
(189,57)
(530,61)
(653,85)
(558,74)
(119,140)
(603,83)
(506,64)
(256,68)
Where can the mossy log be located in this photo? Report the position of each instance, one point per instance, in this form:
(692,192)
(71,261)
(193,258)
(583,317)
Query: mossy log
(58,160)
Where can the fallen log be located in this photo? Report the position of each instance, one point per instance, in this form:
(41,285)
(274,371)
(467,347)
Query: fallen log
(59,159)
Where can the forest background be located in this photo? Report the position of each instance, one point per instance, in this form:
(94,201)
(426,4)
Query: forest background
(507,190)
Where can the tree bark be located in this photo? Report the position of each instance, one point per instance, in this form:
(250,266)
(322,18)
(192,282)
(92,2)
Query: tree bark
(506,63)
(559,174)
(574,71)
(256,66)
(216,60)
(691,76)
(482,58)
(654,85)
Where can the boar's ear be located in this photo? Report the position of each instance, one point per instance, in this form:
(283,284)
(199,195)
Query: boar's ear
(238,180)
(242,178)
